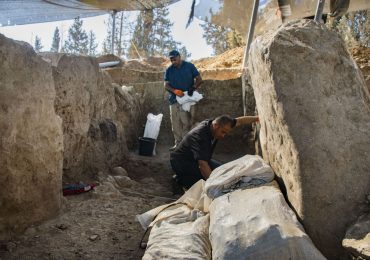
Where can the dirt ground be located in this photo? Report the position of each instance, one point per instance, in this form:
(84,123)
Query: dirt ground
(101,224)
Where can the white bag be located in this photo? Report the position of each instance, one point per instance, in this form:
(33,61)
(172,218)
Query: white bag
(257,223)
(180,229)
(247,171)
(187,101)
(153,125)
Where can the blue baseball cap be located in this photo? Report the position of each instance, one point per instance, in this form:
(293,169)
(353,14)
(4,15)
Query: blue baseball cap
(173,53)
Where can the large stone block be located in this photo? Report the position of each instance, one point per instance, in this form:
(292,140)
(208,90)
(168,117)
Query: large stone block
(31,146)
(94,137)
(75,80)
(315,126)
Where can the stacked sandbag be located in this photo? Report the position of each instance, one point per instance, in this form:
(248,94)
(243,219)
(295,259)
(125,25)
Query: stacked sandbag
(179,230)
(257,223)
(248,219)
(249,216)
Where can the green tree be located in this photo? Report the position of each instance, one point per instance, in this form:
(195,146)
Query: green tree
(142,36)
(92,44)
(38,46)
(123,30)
(152,35)
(216,36)
(56,41)
(78,41)
(221,38)
(163,41)
(184,52)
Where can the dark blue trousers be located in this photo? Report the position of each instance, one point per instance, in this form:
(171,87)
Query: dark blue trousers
(189,173)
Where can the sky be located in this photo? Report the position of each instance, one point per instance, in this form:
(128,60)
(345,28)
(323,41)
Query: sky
(191,37)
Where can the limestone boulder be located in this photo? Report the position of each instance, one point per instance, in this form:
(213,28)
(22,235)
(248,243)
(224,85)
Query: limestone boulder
(31,146)
(315,126)
(357,239)
(94,137)
(75,83)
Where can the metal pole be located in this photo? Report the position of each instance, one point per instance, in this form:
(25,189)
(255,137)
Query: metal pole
(246,51)
(113,30)
(250,32)
(319,10)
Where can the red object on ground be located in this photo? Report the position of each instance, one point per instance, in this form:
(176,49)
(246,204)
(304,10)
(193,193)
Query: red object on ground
(77,188)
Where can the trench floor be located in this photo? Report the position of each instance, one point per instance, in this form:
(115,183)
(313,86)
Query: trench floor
(101,224)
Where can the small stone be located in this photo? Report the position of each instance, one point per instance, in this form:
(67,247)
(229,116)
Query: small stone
(123,181)
(10,246)
(119,171)
(93,237)
(61,226)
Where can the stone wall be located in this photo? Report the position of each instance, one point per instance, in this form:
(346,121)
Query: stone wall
(94,137)
(152,98)
(315,123)
(220,97)
(31,139)
(123,76)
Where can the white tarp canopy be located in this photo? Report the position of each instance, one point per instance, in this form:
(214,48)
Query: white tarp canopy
(18,12)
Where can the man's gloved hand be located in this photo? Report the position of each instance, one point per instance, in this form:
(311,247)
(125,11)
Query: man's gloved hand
(178,92)
(191,91)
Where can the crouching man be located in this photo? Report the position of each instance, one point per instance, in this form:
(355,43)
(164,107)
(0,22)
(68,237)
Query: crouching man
(192,158)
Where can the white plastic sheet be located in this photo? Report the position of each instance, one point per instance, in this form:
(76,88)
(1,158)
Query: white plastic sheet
(253,223)
(152,126)
(247,171)
(187,101)
(258,224)
(180,229)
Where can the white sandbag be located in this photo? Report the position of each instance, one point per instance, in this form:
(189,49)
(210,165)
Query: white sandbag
(195,198)
(258,224)
(174,239)
(247,171)
(152,126)
(180,229)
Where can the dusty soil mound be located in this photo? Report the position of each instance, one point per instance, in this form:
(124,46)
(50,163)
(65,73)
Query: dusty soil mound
(222,67)
(151,64)
(158,61)
(362,58)
(227,65)
(108,57)
(230,59)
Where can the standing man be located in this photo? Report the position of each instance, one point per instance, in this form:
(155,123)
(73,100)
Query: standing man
(192,159)
(180,76)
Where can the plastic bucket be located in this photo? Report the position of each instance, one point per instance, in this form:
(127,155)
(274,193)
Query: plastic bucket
(146,146)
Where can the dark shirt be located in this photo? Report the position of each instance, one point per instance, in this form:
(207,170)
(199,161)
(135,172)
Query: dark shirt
(180,78)
(198,144)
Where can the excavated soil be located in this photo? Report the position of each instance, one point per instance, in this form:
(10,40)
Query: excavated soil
(230,59)
(226,65)
(101,224)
